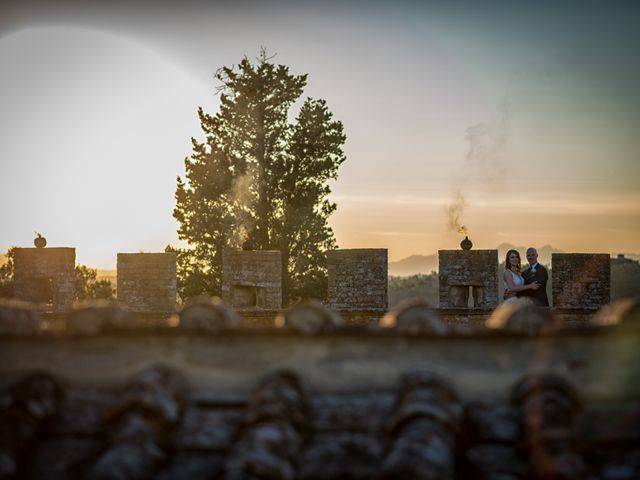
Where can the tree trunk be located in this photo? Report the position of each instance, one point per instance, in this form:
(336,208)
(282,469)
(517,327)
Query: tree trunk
(262,209)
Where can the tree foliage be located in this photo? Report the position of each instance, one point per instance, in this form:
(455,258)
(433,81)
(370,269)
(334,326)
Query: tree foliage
(89,287)
(420,286)
(262,176)
(6,275)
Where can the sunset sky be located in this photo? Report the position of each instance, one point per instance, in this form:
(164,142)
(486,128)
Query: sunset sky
(530,110)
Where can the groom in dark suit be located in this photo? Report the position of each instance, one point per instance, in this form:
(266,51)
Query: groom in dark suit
(535,273)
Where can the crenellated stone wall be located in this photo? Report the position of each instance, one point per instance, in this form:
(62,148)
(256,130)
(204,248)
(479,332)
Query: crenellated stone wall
(468,278)
(358,279)
(45,276)
(147,281)
(252,279)
(581,280)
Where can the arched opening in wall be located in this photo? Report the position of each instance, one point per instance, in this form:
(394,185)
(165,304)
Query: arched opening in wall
(246,296)
(42,291)
(477,295)
(466,296)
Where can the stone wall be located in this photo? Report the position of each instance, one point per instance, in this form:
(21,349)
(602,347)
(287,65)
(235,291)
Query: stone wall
(147,281)
(358,279)
(468,278)
(45,276)
(581,280)
(252,279)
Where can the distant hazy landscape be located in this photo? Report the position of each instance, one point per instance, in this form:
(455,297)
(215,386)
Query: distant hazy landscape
(416,264)
(111,275)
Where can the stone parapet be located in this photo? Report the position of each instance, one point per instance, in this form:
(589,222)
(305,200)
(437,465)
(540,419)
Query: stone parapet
(358,279)
(147,281)
(581,280)
(468,278)
(45,276)
(252,279)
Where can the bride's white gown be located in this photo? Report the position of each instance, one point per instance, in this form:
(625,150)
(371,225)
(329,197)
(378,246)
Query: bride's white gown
(517,281)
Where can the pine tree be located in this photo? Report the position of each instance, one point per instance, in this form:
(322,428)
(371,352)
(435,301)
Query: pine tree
(260,176)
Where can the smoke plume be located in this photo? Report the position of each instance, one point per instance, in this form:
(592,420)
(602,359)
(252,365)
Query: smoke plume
(242,196)
(456,207)
(483,164)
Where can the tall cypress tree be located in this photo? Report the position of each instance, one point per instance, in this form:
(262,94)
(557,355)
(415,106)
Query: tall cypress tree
(258,175)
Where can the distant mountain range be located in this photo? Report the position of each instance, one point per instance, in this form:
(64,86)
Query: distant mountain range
(425,264)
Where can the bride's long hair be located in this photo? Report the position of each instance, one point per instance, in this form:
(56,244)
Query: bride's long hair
(507,263)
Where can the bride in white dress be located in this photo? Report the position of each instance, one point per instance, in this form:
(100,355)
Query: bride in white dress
(513,281)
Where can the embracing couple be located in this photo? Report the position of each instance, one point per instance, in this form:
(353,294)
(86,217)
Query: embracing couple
(531,283)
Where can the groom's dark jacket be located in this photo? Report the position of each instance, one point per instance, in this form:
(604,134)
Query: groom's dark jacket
(540,275)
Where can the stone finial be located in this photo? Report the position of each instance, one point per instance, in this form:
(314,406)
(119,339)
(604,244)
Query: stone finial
(466,244)
(40,241)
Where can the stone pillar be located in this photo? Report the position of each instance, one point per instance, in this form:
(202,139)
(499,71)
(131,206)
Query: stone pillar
(45,276)
(358,279)
(147,281)
(580,280)
(468,278)
(252,279)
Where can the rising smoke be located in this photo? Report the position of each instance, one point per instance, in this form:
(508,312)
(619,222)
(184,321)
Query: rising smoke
(242,197)
(484,164)
(456,208)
